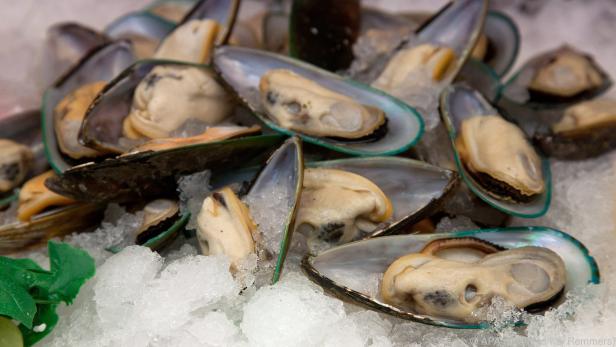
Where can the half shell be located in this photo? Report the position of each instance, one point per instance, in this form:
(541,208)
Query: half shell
(458,103)
(337,270)
(243,68)
(100,65)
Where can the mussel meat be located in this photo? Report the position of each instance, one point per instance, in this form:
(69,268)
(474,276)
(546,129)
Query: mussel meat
(170,96)
(500,158)
(436,285)
(226,227)
(34,197)
(337,204)
(15,163)
(190,42)
(300,104)
(69,114)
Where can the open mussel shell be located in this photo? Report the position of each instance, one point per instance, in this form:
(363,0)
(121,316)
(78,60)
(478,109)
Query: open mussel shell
(57,222)
(152,173)
(416,189)
(141,28)
(242,69)
(458,26)
(101,64)
(102,125)
(503,42)
(25,128)
(278,184)
(352,272)
(516,89)
(65,45)
(222,11)
(458,103)
(480,77)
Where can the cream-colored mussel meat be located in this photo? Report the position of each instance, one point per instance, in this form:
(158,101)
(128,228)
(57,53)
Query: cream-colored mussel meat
(565,75)
(35,197)
(15,162)
(428,284)
(587,116)
(68,116)
(299,104)
(424,61)
(191,42)
(171,96)
(500,158)
(226,227)
(340,205)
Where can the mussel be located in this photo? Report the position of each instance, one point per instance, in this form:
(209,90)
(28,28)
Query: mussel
(318,94)
(436,51)
(554,80)
(262,222)
(443,280)
(42,214)
(585,130)
(498,45)
(15,163)
(400,191)
(493,156)
(528,266)
(65,45)
(160,223)
(101,64)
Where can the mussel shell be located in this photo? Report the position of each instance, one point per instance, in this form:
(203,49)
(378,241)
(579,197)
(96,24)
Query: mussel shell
(589,145)
(141,24)
(45,226)
(503,42)
(102,64)
(515,90)
(150,174)
(416,189)
(65,44)
(459,102)
(365,259)
(457,25)
(222,11)
(242,69)
(480,77)
(285,167)
(102,126)
(25,128)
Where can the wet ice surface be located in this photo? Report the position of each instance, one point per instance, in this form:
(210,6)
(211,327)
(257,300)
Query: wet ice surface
(139,299)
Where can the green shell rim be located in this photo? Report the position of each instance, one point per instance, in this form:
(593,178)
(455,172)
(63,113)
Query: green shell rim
(516,33)
(545,166)
(290,225)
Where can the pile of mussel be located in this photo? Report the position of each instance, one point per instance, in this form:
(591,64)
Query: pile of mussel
(306,159)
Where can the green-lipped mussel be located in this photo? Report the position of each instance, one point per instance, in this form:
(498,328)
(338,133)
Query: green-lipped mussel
(328,102)
(529,267)
(262,222)
(515,180)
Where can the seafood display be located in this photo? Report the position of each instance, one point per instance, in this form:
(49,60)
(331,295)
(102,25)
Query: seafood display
(338,144)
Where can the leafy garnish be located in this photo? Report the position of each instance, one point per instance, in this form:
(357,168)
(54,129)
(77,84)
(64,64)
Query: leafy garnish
(30,294)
